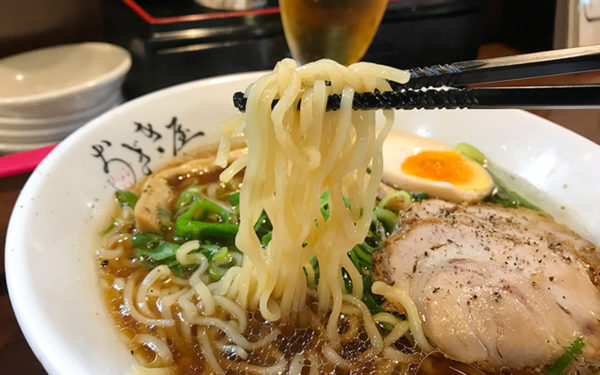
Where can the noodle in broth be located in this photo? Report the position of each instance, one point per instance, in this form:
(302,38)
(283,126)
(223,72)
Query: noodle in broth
(272,314)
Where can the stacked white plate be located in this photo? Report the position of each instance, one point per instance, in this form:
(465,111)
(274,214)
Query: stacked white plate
(48,93)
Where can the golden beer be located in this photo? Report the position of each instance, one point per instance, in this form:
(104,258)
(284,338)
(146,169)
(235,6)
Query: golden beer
(340,30)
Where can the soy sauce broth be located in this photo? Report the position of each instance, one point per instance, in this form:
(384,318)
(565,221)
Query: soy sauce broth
(299,337)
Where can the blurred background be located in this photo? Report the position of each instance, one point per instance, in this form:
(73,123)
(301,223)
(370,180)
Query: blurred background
(180,40)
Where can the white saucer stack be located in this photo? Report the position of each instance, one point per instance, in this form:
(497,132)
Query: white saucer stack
(48,93)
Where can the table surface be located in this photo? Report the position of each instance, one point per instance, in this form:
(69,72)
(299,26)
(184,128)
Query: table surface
(17,358)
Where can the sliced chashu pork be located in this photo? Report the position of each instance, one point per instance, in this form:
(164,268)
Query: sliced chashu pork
(157,191)
(496,287)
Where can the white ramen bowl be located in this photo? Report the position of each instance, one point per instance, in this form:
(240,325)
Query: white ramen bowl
(60,80)
(51,268)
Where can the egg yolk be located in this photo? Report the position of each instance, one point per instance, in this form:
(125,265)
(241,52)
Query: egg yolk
(447,166)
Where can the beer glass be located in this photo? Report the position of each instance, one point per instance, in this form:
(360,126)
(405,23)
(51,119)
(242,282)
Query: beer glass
(340,30)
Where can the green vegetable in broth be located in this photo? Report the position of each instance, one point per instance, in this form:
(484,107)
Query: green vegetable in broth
(501,195)
(206,210)
(508,198)
(109,227)
(314,263)
(222,260)
(395,201)
(325,205)
(263,225)
(126,198)
(215,226)
(361,255)
(387,218)
(347,280)
(200,230)
(234,199)
(187,196)
(205,220)
(567,357)
(147,240)
(373,301)
(325,212)
(164,219)
(419,196)
(161,252)
(471,152)
(266,239)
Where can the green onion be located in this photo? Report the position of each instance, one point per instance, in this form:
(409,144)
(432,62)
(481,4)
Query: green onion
(200,219)
(419,196)
(385,325)
(164,219)
(361,256)
(395,196)
(471,152)
(365,253)
(146,240)
(263,225)
(126,198)
(379,231)
(506,197)
(110,227)
(347,280)
(347,203)
(314,263)
(220,254)
(502,195)
(196,230)
(325,211)
(325,205)
(200,209)
(373,301)
(189,225)
(567,357)
(266,239)
(177,269)
(187,196)
(387,218)
(165,254)
(234,198)
(216,272)
(355,260)
(163,251)
(208,249)
(222,260)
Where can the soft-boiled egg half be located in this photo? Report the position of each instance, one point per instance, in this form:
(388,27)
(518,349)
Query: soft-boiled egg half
(420,164)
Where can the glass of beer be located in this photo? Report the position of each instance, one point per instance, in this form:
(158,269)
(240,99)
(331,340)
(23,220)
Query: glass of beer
(340,30)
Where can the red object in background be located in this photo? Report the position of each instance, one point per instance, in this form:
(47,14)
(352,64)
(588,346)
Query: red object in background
(22,162)
(196,17)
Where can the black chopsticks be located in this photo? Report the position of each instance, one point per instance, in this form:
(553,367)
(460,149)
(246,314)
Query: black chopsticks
(539,64)
(422,90)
